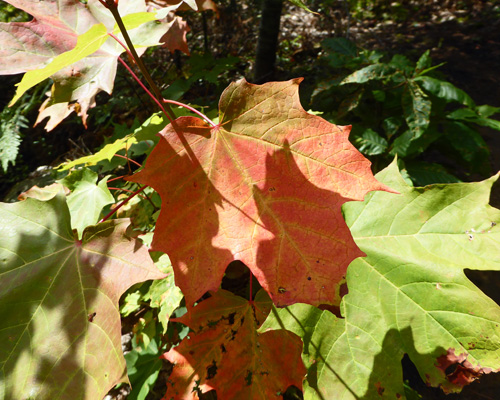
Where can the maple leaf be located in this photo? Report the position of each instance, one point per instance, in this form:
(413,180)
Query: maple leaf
(60,325)
(226,353)
(87,197)
(27,46)
(408,296)
(265,187)
(175,38)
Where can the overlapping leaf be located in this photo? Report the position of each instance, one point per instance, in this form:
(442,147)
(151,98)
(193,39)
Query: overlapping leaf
(409,295)
(87,198)
(26,46)
(60,325)
(265,187)
(147,131)
(226,353)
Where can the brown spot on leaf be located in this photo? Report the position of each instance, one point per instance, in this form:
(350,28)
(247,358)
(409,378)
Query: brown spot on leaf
(91,317)
(458,370)
(211,370)
(248,378)
(380,389)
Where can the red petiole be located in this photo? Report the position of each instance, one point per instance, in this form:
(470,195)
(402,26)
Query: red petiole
(123,203)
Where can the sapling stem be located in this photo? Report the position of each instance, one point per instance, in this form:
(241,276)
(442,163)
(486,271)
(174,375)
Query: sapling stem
(112,6)
(156,98)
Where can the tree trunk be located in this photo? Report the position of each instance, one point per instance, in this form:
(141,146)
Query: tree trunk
(267,43)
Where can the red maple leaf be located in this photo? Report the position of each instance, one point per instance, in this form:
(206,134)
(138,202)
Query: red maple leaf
(265,187)
(226,353)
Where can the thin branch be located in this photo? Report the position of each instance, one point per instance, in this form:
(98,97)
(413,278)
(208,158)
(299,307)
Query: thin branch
(112,6)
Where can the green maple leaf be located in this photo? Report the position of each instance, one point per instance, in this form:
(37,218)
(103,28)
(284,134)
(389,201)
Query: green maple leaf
(87,198)
(60,326)
(409,295)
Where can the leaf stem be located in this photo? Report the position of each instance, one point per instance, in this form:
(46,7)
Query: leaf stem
(191,109)
(113,8)
(128,159)
(116,178)
(126,190)
(208,120)
(145,88)
(123,203)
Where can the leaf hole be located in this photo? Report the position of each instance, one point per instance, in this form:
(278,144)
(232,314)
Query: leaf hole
(212,370)
(292,393)
(248,378)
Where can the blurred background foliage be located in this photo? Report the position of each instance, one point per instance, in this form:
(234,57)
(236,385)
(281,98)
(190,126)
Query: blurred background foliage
(365,63)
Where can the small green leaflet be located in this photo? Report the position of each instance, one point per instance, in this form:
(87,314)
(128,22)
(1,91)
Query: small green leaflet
(143,367)
(147,131)
(416,108)
(300,3)
(374,71)
(87,198)
(444,90)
